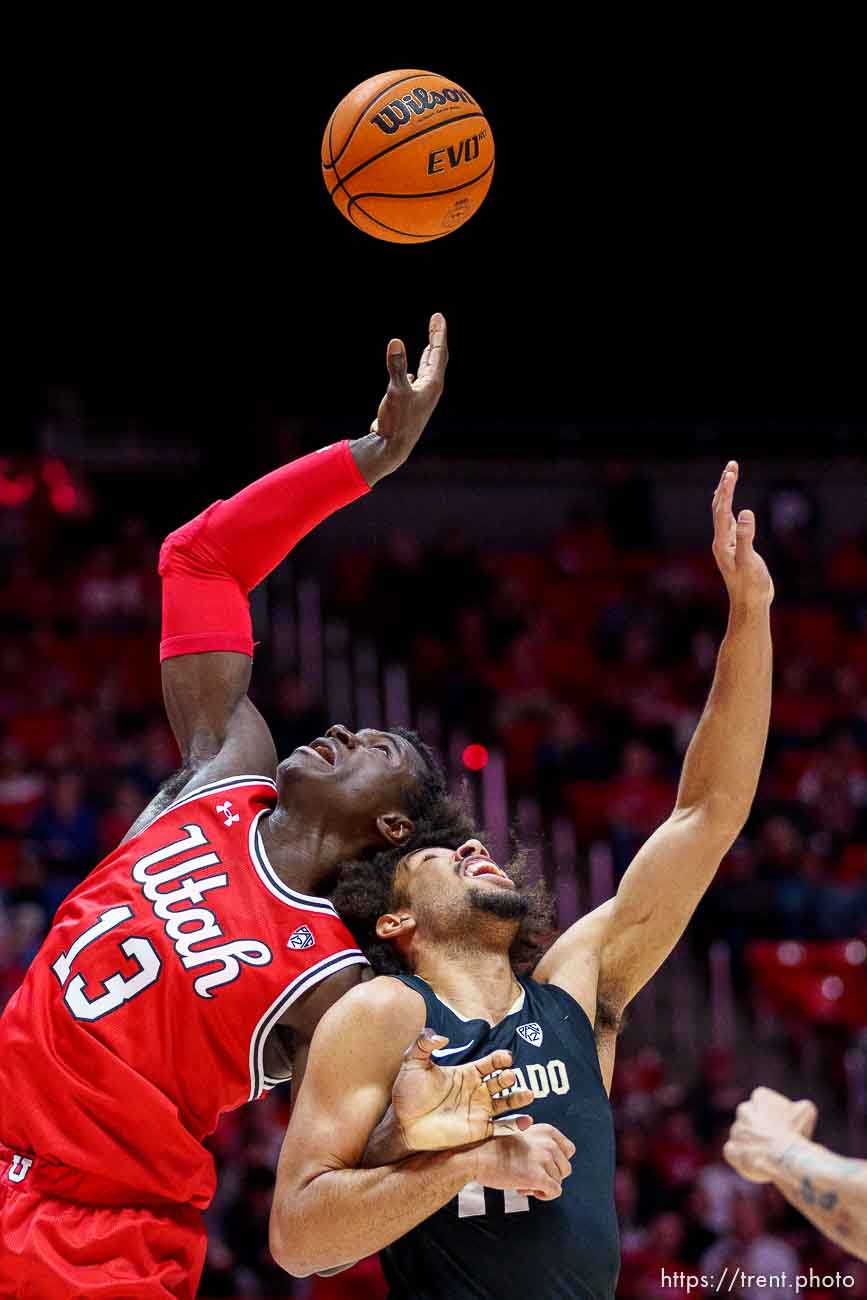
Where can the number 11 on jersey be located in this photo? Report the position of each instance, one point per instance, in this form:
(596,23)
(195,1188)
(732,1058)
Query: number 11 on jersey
(471,1201)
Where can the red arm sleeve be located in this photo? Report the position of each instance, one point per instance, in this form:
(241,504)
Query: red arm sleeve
(209,565)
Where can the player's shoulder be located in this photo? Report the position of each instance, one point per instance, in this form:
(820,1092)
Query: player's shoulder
(382,1003)
(228,799)
(225,806)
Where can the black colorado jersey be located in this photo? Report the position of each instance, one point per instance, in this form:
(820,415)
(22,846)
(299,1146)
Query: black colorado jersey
(491,1245)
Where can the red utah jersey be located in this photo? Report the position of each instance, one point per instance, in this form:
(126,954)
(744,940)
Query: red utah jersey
(145,1013)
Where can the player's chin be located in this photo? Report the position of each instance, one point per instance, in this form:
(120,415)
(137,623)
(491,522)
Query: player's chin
(506,903)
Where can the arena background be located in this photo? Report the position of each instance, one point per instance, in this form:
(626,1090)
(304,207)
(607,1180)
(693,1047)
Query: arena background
(665,275)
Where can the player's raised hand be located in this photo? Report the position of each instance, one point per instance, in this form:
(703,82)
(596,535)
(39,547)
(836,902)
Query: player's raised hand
(407,406)
(439,1107)
(743,569)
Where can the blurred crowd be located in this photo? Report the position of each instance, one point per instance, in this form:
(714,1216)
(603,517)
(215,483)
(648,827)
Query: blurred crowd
(587,664)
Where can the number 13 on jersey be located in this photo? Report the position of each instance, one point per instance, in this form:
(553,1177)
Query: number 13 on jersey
(117,988)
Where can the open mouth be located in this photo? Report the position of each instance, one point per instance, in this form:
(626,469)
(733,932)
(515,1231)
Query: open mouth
(325,749)
(485,869)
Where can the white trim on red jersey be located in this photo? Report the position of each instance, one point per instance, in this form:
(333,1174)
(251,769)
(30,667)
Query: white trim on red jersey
(215,787)
(273,883)
(301,984)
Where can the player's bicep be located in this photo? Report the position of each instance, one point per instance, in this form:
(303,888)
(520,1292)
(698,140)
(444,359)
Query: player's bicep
(304,1016)
(656,899)
(572,962)
(352,1062)
(213,721)
(246,749)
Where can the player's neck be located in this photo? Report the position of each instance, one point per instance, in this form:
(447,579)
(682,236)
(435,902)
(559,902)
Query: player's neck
(477,983)
(305,855)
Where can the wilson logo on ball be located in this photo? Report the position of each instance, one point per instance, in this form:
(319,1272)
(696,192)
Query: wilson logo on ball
(400,111)
(407,156)
(464,151)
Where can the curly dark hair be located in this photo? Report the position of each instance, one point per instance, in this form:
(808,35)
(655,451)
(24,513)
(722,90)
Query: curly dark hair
(427,798)
(365,890)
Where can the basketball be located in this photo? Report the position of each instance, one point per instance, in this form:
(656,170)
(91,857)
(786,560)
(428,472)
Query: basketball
(408,156)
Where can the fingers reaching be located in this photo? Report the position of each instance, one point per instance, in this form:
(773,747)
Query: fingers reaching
(395,358)
(520,1097)
(499,1078)
(424,1046)
(724,495)
(499,1081)
(746,531)
(432,366)
(499,1060)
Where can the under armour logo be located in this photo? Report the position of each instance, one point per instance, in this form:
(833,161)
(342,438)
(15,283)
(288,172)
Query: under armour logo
(230,816)
(19,1169)
(301,938)
(531,1033)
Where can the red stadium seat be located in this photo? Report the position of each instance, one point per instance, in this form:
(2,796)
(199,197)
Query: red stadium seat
(822,983)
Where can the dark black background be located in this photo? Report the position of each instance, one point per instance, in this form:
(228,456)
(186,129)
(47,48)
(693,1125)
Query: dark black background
(672,238)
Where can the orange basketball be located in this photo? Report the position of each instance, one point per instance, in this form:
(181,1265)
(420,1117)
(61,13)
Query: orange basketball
(408,156)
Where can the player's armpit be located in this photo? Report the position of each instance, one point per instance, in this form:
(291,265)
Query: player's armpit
(656,899)
(219,730)
(302,1018)
(243,747)
(572,962)
(609,955)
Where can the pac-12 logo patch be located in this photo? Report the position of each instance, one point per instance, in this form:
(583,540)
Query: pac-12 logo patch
(531,1033)
(301,938)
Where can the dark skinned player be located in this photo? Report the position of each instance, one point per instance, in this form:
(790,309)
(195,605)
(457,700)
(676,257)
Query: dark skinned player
(187,973)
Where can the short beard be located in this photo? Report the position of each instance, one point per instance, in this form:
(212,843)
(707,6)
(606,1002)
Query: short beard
(506,904)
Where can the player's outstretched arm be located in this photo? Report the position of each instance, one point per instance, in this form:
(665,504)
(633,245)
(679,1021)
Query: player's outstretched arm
(770,1143)
(635,931)
(329,1211)
(210,565)
(407,406)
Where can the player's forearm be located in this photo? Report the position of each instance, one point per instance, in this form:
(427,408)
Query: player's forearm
(724,759)
(209,565)
(343,1215)
(828,1189)
(248,534)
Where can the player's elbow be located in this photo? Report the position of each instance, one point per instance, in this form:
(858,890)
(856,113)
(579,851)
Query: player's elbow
(288,1243)
(286,1248)
(717,820)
